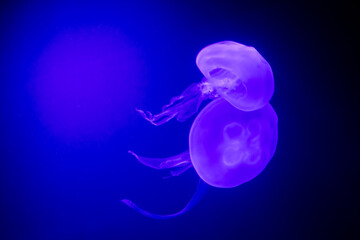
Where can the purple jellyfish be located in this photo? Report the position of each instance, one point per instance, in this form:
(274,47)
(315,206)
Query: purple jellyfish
(231,70)
(228,146)
(234,137)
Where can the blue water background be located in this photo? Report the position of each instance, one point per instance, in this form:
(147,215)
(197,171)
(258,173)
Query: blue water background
(68,184)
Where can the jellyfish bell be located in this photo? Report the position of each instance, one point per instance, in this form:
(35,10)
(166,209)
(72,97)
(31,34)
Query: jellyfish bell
(238,73)
(228,146)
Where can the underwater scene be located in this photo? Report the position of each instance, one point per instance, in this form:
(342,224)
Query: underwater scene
(178,120)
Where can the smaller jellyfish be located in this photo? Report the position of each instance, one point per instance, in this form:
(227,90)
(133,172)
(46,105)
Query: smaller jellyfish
(231,70)
(227,147)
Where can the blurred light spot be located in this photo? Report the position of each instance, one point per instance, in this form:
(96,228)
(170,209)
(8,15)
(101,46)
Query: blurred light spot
(86,83)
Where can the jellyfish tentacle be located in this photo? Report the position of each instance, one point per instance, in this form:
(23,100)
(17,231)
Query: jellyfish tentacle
(157,119)
(176,171)
(180,162)
(200,192)
(182,107)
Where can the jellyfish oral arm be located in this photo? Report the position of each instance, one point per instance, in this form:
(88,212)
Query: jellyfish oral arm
(177,164)
(182,107)
(201,190)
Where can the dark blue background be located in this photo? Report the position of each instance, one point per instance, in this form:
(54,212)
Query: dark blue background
(52,188)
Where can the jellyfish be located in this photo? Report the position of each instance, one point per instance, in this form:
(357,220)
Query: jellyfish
(234,137)
(233,71)
(227,147)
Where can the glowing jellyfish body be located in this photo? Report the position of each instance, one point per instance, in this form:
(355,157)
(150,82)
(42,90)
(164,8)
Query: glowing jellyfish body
(228,146)
(238,73)
(234,137)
